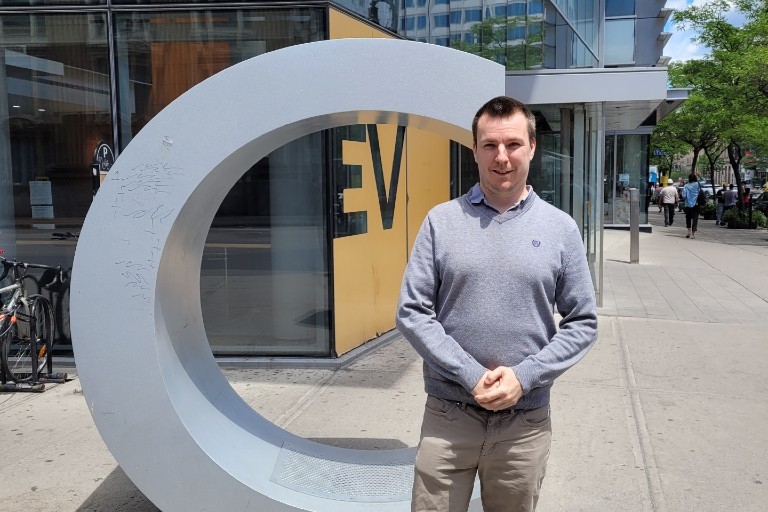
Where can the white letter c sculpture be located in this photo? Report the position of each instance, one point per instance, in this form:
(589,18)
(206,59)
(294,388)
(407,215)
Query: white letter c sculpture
(162,406)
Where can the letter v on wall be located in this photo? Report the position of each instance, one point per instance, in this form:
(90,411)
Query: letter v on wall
(387,200)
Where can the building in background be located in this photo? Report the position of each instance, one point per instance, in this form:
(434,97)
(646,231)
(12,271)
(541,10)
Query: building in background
(306,252)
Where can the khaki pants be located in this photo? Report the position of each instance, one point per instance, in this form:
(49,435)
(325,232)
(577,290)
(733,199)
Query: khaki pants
(508,449)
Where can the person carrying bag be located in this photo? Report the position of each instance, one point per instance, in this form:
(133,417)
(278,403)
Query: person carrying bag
(692,196)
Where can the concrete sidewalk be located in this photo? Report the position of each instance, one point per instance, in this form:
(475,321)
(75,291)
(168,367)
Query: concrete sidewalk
(666,413)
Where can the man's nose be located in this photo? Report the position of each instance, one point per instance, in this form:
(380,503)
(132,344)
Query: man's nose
(501,153)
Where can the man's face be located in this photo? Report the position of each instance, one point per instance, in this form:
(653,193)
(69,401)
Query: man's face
(503,153)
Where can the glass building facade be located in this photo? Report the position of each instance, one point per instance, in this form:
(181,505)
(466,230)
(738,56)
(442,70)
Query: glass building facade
(279,276)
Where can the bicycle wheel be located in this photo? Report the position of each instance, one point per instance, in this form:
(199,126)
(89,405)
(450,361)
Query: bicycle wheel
(44,325)
(23,359)
(16,349)
(64,335)
(31,285)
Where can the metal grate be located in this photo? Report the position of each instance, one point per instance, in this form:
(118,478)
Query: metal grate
(343,481)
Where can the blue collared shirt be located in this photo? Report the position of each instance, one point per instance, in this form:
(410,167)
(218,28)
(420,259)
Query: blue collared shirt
(476,196)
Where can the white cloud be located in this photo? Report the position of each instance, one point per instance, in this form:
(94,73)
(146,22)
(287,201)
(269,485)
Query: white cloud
(681,46)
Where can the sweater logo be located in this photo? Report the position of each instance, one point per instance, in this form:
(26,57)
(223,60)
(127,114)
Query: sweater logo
(536,243)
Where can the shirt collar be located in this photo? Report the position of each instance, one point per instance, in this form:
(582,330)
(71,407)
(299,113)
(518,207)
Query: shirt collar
(476,196)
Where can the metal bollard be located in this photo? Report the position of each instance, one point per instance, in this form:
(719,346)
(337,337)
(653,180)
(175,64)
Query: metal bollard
(634,225)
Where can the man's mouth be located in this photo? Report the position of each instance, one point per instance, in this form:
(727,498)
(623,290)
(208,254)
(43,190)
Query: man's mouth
(502,172)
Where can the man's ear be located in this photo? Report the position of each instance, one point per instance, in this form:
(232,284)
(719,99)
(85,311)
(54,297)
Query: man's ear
(533,147)
(474,151)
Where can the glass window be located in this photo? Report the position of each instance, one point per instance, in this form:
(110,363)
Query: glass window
(421,22)
(55,109)
(516,9)
(160,55)
(500,10)
(626,166)
(516,32)
(442,41)
(442,2)
(422,3)
(473,15)
(409,3)
(441,20)
(410,23)
(535,7)
(619,42)
(619,8)
(264,273)
(455,17)
(456,36)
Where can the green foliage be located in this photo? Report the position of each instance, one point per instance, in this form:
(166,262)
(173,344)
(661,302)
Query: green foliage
(709,210)
(738,218)
(727,110)
(759,219)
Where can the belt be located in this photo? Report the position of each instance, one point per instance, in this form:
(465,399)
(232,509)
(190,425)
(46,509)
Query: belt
(466,405)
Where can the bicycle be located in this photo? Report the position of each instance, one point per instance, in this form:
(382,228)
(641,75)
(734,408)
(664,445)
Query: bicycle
(26,326)
(55,282)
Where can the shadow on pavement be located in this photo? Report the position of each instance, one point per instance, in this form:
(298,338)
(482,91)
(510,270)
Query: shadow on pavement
(362,443)
(117,494)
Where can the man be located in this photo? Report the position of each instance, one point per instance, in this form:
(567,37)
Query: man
(730,197)
(720,206)
(668,199)
(476,303)
(656,191)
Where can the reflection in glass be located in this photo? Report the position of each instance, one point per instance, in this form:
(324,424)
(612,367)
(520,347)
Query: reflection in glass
(619,42)
(264,275)
(626,166)
(54,111)
(619,8)
(160,55)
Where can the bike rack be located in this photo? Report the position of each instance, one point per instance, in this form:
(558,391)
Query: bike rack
(156,394)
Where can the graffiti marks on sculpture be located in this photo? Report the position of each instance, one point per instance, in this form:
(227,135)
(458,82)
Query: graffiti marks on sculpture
(144,200)
(144,193)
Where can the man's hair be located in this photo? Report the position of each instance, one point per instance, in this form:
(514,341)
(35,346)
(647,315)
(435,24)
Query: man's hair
(732,186)
(692,178)
(504,106)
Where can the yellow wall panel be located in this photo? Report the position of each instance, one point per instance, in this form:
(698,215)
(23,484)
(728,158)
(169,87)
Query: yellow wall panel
(368,268)
(429,175)
(341,26)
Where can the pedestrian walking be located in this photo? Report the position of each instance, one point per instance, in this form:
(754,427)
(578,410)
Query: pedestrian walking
(720,205)
(476,303)
(730,197)
(655,197)
(691,204)
(668,199)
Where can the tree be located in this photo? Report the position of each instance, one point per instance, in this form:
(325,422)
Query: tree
(666,149)
(690,128)
(733,76)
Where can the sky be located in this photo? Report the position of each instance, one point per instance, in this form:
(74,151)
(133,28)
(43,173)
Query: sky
(680,46)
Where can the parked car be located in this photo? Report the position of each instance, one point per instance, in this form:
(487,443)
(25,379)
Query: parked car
(710,190)
(761,203)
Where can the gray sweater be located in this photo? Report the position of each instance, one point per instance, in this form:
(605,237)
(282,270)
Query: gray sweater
(478,293)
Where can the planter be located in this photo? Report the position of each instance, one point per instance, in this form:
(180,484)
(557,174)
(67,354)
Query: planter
(709,216)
